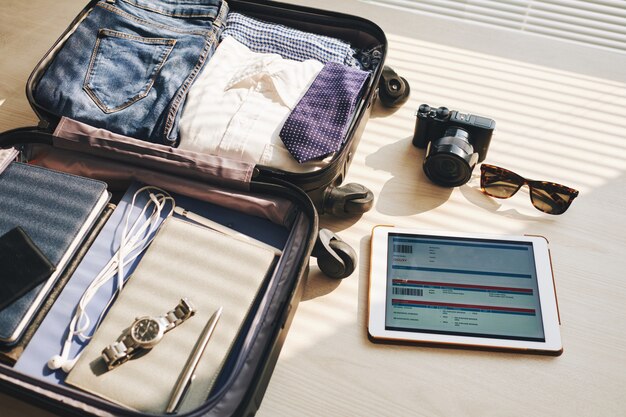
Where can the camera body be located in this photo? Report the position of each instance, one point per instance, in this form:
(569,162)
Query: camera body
(455,142)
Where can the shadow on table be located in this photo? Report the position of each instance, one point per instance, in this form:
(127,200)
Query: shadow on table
(398,195)
(381,111)
(318,284)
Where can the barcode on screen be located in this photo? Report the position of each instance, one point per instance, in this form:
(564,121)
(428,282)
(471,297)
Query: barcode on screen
(416,292)
(403,248)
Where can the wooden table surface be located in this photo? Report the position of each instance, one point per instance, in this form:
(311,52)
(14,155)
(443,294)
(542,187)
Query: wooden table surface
(552,124)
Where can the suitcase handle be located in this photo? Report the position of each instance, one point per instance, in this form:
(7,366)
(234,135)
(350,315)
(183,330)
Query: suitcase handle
(335,257)
(23,136)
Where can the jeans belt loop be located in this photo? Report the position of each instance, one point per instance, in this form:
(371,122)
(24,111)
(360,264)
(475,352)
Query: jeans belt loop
(220,20)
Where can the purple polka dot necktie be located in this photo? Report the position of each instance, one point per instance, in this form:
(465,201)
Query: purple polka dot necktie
(318,123)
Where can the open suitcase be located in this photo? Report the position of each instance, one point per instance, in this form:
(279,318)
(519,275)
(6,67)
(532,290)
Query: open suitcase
(284,199)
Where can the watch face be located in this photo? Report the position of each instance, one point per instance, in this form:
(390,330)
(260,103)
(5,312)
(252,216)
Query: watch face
(146,330)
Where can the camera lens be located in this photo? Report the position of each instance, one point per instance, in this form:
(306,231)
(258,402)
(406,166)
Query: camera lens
(450,159)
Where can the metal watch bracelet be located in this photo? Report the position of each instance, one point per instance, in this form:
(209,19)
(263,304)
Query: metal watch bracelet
(123,349)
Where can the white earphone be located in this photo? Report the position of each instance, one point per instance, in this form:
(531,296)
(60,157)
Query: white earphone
(133,243)
(59,362)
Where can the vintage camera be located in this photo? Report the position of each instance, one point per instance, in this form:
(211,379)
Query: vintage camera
(455,142)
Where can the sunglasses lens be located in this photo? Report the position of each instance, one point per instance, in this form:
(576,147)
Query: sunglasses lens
(551,198)
(499,183)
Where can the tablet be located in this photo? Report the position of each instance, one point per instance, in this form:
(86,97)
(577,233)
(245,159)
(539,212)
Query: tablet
(483,291)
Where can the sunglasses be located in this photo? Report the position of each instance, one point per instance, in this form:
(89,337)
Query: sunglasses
(546,196)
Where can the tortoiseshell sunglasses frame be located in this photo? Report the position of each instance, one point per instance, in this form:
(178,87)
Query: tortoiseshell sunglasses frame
(560,205)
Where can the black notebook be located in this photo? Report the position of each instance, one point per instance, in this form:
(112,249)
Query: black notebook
(56,210)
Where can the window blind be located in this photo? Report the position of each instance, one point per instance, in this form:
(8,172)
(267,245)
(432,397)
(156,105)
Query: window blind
(593,22)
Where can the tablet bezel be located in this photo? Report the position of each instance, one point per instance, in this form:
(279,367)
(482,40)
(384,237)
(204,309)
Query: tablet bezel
(545,282)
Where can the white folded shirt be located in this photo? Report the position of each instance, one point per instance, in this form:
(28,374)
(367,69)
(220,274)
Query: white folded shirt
(239,103)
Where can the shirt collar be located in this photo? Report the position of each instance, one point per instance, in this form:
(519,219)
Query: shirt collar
(278,74)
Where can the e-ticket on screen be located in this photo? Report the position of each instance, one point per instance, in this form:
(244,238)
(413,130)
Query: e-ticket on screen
(462,286)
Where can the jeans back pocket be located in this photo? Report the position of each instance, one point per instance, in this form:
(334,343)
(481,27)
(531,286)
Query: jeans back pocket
(123,68)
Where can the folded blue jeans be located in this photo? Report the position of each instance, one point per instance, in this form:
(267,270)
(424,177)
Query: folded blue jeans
(128,65)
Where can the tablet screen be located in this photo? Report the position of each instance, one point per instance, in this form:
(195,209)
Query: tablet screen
(461,286)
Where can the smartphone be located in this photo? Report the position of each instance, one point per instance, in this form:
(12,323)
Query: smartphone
(22,266)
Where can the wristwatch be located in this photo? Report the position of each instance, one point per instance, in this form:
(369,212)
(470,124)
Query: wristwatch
(145,333)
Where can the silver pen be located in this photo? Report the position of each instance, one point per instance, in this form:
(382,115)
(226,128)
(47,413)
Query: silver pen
(186,376)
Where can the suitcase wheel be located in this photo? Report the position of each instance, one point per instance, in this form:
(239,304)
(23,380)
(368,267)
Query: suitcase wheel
(349,199)
(393,90)
(335,257)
